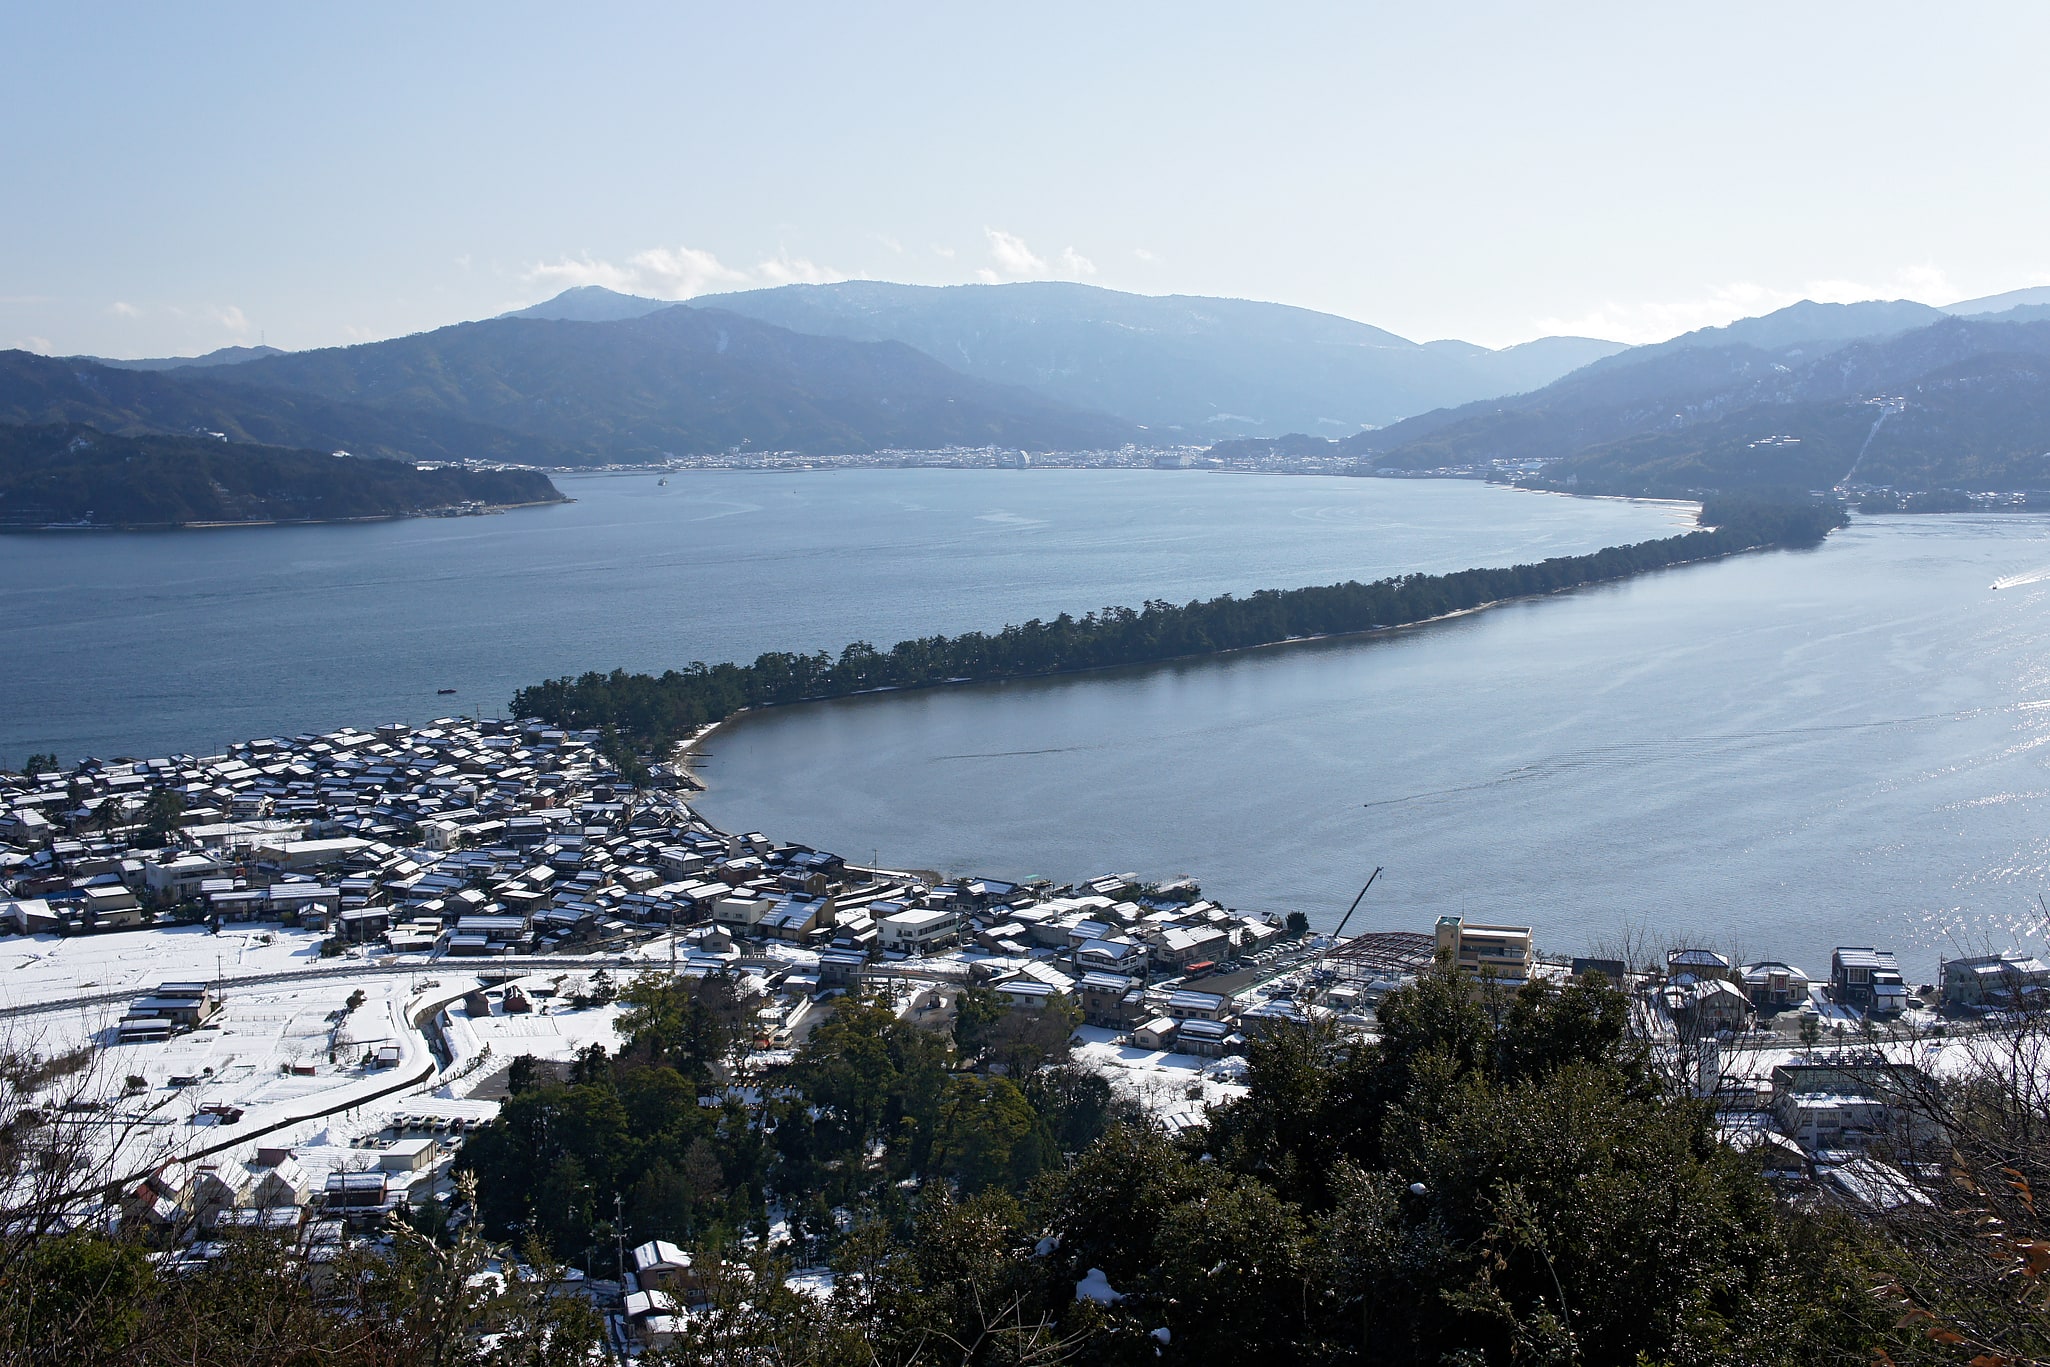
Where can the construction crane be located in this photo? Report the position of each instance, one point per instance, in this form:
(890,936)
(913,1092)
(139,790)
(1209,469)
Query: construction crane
(1338,933)
(1317,966)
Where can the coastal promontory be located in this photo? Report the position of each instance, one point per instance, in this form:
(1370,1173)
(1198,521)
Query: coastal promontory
(75,476)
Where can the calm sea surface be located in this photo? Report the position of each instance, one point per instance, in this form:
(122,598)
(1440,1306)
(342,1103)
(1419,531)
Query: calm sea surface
(1777,754)
(156,643)
(1772,755)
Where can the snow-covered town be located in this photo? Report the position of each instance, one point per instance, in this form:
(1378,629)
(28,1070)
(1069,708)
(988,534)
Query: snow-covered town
(299,973)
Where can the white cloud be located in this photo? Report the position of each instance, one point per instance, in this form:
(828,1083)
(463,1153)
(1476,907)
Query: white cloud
(1716,305)
(678,273)
(231,318)
(1011,255)
(1148,257)
(122,310)
(944,252)
(785,270)
(1011,259)
(41,345)
(663,272)
(892,243)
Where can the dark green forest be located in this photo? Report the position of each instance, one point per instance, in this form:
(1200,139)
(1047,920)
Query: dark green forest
(653,712)
(72,474)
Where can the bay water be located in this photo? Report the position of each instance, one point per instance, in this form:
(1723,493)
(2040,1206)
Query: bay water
(1772,755)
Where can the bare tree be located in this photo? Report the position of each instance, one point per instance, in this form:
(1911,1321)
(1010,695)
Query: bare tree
(1968,1253)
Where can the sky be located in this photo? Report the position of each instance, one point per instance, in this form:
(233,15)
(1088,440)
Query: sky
(181,178)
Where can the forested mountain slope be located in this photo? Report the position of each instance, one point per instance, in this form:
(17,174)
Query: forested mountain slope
(74,475)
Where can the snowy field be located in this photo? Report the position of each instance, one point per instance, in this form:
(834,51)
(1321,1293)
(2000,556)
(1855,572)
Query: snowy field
(41,968)
(1174,1088)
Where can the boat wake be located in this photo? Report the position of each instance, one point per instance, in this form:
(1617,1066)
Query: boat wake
(2015,581)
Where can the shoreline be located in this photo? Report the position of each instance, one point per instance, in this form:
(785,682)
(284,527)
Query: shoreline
(483,510)
(684,752)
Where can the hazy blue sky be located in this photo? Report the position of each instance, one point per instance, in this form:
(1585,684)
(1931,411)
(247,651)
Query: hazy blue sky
(183,177)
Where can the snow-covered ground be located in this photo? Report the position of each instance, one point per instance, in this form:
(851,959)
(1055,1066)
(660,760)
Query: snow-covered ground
(42,968)
(553,1030)
(1175,1088)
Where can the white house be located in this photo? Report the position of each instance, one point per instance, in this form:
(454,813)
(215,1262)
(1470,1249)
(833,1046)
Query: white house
(917,932)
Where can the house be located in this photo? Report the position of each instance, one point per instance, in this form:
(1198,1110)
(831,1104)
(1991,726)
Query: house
(797,918)
(153,1204)
(408,1156)
(216,1187)
(363,923)
(917,932)
(184,1005)
(180,877)
(135,1029)
(840,967)
(357,1195)
(1276,1013)
(1187,1006)
(30,916)
(742,912)
(1103,999)
(1699,1007)
(662,1266)
(298,855)
(1157,1033)
(1774,986)
(1850,1105)
(1868,979)
(27,828)
(1498,951)
(1114,954)
(2008,981)
(306,904)
(111,906)
(1697,963)
(653,1318)
(1025,994)
(1180,946)
(487,934)
(279,1183)
(1868,1185)
(1208,1038)
(276,1221)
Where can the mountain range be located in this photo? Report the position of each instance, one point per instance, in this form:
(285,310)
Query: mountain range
(1808,397)
(672,382)
(1186,368)
(597,377)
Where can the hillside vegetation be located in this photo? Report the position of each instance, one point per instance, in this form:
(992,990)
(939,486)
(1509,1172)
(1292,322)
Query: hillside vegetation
(1959,403)
(1189,368)
(1493,1178)
(682,380)
(79,476)
(678,382)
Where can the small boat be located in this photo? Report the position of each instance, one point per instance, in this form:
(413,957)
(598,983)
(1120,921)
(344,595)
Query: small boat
(662,481)
(445,692)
